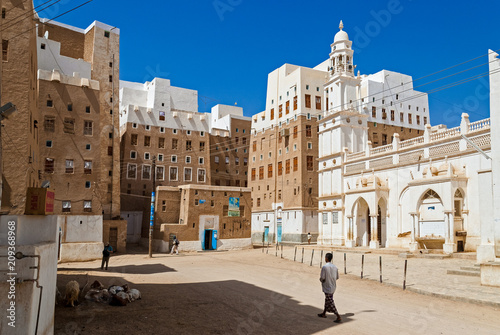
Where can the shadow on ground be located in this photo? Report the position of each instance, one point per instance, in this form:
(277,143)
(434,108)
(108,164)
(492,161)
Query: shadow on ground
(221,307)
(142,269)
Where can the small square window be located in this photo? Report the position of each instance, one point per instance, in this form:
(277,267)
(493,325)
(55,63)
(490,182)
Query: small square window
(70,107)
(188,159)
(147,155)
(87,184)
(50,103)
(134,125)
(133,155)
(66,206)
(111,112)
(173,159)
(148,127)
(42,46)
(110,135)
(188,132)
(174,131)
(106,33)
(87,109)
(160,157)
(202,133)
(201,160)
(48,144)
(162,129)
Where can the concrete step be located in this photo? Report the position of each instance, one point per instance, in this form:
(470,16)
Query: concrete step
(464,273)
(465,255)
(471,268)
(433,256)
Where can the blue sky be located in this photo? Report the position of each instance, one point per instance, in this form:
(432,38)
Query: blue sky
(226,48)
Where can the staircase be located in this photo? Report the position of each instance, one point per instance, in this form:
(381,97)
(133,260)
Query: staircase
(471,271)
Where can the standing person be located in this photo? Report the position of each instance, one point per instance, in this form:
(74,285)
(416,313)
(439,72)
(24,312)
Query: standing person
(328,279)
(309,238)
(175,246)
(108,250)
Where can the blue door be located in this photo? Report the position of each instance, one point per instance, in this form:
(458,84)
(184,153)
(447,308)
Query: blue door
(214,240)
(279,233)
(266,233)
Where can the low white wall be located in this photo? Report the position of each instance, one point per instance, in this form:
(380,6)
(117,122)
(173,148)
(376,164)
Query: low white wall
(35,235)
(81,252)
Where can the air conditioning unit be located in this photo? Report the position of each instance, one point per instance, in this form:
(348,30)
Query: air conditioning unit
(285,132)
(85,82)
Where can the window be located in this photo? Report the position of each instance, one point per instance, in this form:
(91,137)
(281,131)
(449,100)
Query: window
(160,157)
(410,120)
(174,144)
(308,131)
(295,103)
(162,129)
(69,125)
(49,123)
(269,171)
(425,119)
(237,161)
(227,160)
(318,103)
(174,131)
(87,167)
(253,174)
(160,173)
(134,125)
(131,171)
(287,166)
(5,50)
(49,165)
(272,113)
(70,107)
(384,114)
(162,116)
(66,206)
(147,156)
(110,151)
(87,146)
(87,127)
(401,117)
(374,111)
(254,146)
(309,145)
(258,202)
(87,109)
(418,119)
(146,172)
(173,173)
(87,184)
(188,174)
(392,115)
(216,159)
(4,11)
(106,33)
(287,109)
(173,159)
(295,164)
(147,141)
(202,146)
(310,163)
(148,127)
(110,78)
(188,145)
(280,110)
(69,166)
(295,131)
(161,143)
(188,159)
(308,100)
(48,144)
(261,172)
(201,160)
(244,140)
(133,139)
(50,103)
(201,175)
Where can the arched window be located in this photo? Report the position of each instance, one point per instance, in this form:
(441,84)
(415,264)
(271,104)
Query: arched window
(458,194)
(431,195)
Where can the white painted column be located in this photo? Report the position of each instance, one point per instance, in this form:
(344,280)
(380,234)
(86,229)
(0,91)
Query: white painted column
(449,246)
(414,246)
(350,242)
(374,240)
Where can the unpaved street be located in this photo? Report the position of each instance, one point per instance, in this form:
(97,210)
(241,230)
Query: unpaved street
(247,292)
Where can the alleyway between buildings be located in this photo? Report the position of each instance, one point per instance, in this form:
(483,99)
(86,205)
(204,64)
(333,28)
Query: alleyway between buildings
(251,292)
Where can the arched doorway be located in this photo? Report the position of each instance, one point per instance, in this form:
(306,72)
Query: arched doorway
(432,228)
(361,214)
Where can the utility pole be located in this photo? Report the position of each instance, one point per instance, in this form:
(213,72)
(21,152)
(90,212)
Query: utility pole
(152,214)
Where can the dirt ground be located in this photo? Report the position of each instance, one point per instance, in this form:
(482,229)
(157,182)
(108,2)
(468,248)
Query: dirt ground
(247,292)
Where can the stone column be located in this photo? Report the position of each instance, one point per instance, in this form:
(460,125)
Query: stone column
(449,246)
(374,232)
(350,243)
(415,232)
